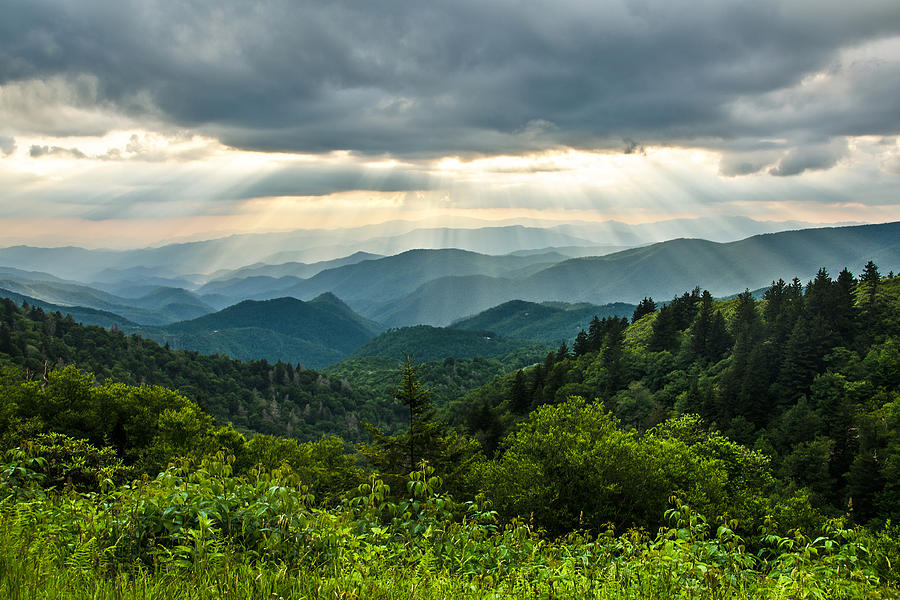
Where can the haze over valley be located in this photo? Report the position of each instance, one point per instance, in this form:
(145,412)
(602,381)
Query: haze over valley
(240,297)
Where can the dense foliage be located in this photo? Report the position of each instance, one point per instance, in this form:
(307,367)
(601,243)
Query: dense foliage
(576,476)
(427,343)
(447,379)
(315,333)
(548,322)
(808,377)
(200,531)
(278,399)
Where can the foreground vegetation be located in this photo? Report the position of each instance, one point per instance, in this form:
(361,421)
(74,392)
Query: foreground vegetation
(739,449)
(199,531)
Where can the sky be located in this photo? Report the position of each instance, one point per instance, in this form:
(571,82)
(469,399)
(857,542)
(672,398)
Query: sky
(134,122)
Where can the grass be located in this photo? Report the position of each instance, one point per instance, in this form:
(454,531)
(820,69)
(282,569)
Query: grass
(207,535)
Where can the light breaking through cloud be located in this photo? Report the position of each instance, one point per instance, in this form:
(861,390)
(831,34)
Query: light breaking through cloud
(628,109)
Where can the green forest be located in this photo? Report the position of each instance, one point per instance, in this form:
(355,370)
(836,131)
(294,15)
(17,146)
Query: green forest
(703,448)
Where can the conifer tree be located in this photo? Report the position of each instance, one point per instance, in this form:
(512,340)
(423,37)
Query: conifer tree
(644,307)
(581,345)
(719,341)
(612,356)
(426,438)
(519,398)
(595,334)
(665,330)
(702,327)
(421,413)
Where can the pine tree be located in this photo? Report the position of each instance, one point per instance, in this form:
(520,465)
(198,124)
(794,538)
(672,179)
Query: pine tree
(800,364)
(581,345)
(844,317)
(719,341)
(421,413)
(612,356)
(426,438)
(595,334)
(702,328)
(665,330)
(644,307)
(519,399)
(870,273)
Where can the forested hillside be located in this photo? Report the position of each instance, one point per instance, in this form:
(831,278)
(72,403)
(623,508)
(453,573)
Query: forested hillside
(426,343)
(276,398)
(549,322)
(447,379)
(771,417)
(808,377)
(316,333)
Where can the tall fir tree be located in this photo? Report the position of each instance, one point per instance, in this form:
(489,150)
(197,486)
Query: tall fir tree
(519,398)
(644,307)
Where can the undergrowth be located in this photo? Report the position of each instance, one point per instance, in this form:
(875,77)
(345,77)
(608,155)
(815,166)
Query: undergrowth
(201,532)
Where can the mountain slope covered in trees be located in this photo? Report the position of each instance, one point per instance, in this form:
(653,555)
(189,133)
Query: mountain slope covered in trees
(547,322)
(804,384)
(315,333)
(660,270)
(426,343)
(256,396)
(809,376)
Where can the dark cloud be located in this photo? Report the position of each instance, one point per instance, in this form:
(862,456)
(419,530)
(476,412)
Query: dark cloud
(319,181)
(468,77)
(39,151)
(814,158)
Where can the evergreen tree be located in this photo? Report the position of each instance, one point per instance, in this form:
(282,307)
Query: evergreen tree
(709,339)
(421,413)
(644,307)
(426,438)
(536,389)
(800,364)
(870,273)
(702,328)
(665,330)
(519,400)
(845,301)
(719,341)
(747,325)
(616,369)
(581,345)
(595,334)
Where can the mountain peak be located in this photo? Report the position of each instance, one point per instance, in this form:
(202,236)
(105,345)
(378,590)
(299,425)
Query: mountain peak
(328,298)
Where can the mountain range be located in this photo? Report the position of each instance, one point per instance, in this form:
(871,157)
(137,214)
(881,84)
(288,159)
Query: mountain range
(198,261)
(315,333)
(319,312)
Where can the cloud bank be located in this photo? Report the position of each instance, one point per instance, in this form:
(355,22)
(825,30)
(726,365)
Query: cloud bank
(141,109)
(461,77)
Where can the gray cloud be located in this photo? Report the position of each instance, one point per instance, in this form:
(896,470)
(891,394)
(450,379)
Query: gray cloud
(39,151)
(813,158)
(463,77)
(318,181)
(736,164)
(7,145)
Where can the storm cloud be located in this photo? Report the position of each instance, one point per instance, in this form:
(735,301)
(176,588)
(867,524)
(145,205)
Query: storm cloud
(464,77)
